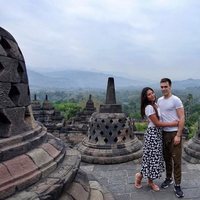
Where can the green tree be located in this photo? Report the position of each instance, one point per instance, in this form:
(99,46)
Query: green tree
(67,109)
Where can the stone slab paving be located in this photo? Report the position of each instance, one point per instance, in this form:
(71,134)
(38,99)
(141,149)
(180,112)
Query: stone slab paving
(119,180)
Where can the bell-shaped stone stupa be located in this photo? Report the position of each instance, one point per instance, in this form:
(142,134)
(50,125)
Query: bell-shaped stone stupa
(191,151)
(34,165)
(110,137)
(30,157)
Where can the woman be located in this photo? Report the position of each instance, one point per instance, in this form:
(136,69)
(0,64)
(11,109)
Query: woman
(152,161)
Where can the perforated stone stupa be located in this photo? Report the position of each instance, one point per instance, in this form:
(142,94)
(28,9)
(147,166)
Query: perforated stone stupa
(34,165)
(110,137)
(191,151)
(79,123)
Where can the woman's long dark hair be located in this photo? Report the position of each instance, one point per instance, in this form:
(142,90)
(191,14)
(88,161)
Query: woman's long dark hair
(145,102)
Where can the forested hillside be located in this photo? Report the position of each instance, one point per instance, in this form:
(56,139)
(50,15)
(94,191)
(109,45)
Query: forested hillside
(72,87)
(130,100)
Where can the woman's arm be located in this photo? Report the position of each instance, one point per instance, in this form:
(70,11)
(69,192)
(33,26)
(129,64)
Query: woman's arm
(158,123)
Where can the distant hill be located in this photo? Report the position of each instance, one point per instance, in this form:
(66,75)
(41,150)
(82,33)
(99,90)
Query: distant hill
(74,79)
(188,83)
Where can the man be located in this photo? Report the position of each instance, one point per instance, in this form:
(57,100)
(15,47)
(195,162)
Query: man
(171,108)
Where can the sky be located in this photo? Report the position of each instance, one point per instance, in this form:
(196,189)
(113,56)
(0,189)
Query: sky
(144,39)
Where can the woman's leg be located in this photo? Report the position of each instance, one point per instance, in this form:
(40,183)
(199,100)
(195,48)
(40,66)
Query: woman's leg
(138,179)
(153,185)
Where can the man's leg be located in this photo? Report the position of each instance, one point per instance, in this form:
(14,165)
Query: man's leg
(177,155)
(167,153)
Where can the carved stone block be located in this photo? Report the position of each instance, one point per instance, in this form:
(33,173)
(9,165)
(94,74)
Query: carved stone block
(5,100)
(20,94)
(2,50)
(12,121)
(11,48)
(12,70)
(6,34)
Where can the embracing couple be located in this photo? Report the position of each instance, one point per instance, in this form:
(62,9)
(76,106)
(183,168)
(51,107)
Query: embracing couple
(162,144)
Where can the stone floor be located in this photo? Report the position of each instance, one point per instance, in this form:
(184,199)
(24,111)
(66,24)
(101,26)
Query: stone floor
(119,180)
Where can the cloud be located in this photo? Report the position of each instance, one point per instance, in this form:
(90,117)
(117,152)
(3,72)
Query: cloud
(129,37)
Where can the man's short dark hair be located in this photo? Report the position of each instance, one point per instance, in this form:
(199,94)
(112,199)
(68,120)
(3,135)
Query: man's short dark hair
(163,80)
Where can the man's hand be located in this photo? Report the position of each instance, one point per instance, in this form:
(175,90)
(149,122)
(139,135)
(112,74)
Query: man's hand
(177,139)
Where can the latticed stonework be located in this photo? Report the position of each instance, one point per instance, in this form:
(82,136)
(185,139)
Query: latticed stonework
(29,155)
(14,89)
(33,163)
(110,137)
(109,128)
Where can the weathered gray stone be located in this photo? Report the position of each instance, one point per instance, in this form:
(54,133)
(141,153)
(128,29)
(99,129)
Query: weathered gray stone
(77,191)
(25,196)
(5,101)
(11,48)
(34,165)
(110,105)
(111,137)
(47,114)
(110,93)
(13,71)
(191,151)
(13,121)
(20,94)
(77,127)
(2,50)
(96,194)
(26,156)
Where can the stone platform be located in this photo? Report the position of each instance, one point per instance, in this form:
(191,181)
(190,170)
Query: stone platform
(119,180)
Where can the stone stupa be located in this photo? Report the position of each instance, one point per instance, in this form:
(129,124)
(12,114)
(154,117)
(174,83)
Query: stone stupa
(46,114)
(191,151)
(79,123)
(34,165)
(36,109)
(110,137)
